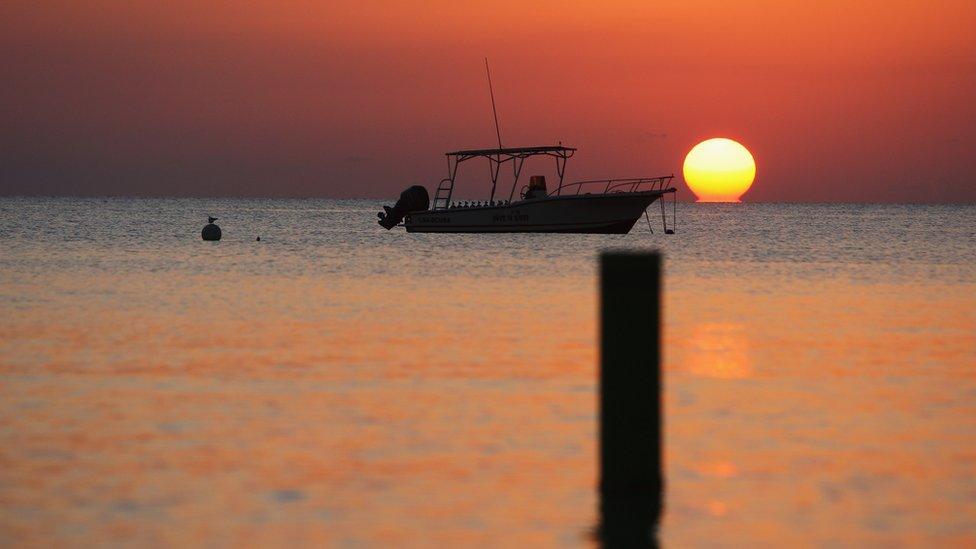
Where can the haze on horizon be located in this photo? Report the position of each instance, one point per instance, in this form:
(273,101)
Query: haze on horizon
(837,100)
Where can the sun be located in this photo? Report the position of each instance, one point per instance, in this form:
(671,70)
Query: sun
(719,170)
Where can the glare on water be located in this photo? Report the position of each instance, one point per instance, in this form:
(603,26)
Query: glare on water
(337,383)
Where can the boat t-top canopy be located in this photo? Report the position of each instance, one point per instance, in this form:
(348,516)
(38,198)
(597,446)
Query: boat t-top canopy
(497,157)
(515,152)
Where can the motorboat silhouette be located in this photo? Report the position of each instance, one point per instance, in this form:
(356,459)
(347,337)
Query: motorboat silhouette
(595,206)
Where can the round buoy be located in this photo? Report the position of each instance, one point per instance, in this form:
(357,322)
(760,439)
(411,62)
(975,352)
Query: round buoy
(210,231)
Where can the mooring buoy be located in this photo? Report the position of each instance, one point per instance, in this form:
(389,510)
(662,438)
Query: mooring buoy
(210,231)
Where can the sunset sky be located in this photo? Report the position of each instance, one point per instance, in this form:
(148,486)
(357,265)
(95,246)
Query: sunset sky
(837,100)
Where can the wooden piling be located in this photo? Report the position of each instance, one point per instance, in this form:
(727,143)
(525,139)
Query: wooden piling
(631,479)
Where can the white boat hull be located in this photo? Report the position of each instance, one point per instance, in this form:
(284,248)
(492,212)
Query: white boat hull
(613,213)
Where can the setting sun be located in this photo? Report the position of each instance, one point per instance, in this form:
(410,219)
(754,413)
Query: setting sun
(719,170)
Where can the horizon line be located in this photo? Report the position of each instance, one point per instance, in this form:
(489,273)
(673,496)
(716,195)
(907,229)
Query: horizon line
(388,198)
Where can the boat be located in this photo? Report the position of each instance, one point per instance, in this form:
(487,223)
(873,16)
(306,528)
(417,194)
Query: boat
(607,206)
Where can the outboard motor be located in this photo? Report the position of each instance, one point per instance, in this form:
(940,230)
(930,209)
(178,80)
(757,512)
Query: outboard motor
(413,199)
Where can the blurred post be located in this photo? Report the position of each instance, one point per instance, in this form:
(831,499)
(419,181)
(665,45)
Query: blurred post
(631,480)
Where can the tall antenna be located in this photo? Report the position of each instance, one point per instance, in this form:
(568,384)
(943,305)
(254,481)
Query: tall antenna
(498,132)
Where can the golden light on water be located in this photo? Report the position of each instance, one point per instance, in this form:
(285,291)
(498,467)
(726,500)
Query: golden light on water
(719,170)
(166,391)
(720,350)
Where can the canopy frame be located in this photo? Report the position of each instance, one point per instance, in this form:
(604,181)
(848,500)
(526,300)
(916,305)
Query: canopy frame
(497,157)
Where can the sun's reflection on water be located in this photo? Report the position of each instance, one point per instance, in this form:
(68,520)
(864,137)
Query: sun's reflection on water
(719,350)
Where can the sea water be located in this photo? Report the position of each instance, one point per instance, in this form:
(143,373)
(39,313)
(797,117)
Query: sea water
(335,383)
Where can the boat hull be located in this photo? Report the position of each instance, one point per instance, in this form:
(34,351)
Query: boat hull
(613,213)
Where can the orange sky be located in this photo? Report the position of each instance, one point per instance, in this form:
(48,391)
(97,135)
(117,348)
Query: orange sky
(838,101)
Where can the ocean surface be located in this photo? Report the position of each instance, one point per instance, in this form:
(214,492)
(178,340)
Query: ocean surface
(339,384)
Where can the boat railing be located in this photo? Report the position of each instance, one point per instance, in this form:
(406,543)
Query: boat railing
(624,185)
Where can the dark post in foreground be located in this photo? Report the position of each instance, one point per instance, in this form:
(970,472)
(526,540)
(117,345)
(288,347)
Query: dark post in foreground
(631,481)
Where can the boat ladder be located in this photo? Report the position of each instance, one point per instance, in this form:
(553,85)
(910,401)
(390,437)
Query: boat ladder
(442,197)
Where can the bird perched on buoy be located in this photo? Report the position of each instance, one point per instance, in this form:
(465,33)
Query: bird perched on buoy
(210,231)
